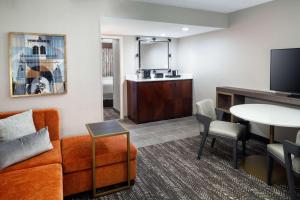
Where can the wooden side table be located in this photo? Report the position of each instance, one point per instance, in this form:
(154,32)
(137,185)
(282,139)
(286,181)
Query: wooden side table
(107,129)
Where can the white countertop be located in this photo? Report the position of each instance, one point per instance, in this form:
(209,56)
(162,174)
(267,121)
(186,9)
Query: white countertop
(268,114)
(132,77)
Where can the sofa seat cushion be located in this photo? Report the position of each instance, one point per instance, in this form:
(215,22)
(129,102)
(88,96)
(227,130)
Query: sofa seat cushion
(43,182)
(77,152)
(49,157)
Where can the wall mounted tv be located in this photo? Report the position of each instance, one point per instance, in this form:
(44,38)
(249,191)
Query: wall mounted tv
(285,70)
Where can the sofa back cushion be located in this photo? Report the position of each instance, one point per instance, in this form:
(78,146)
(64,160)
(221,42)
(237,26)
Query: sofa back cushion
(42,118)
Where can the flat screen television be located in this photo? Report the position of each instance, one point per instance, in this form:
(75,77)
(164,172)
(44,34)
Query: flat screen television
(285,70)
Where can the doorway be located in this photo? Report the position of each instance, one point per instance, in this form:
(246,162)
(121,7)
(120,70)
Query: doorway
(111,78)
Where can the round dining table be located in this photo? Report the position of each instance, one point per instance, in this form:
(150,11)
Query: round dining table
(274,116)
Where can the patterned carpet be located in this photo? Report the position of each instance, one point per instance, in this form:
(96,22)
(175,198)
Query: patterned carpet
(171,171)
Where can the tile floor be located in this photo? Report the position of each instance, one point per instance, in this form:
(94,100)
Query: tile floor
(162,131)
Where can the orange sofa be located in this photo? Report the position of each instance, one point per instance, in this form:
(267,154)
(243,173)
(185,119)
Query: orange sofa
(67,168)
(111,162)
(39,177)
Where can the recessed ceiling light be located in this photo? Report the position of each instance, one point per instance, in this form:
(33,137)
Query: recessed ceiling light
(185,29)
(163,35)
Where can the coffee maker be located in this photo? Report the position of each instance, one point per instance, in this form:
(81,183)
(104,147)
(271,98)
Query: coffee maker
(174,73)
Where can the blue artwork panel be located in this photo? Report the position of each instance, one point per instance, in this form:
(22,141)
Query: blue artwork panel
(38,64)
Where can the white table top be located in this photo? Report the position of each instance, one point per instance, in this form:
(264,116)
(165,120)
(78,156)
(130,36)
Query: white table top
(268,114)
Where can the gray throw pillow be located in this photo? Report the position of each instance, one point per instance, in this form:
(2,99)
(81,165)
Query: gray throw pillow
(23,148)
(16,126)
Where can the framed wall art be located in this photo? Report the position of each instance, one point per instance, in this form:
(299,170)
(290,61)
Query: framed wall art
(37,64)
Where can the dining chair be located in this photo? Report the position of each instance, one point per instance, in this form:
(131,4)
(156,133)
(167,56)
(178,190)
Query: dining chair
(211,118)
(286,154)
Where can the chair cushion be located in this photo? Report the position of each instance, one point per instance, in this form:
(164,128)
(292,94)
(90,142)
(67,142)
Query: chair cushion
(77,152)
(277,150)
(227,129)
(49,157)
(43,182)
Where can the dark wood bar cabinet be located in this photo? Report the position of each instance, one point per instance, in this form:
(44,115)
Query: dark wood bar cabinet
(149,101)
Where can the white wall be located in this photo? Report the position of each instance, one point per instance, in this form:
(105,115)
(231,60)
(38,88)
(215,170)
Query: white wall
(130,64)
(240,55)
(81,103)
(79,20)
(116,74)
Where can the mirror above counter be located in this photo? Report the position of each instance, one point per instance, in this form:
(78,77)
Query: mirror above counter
(154,53)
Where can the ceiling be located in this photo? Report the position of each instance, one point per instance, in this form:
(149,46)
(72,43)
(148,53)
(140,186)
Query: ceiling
(131,27)
(223,6)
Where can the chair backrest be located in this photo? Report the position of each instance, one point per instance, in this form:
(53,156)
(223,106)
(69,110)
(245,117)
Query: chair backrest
(42,118)
(206,107)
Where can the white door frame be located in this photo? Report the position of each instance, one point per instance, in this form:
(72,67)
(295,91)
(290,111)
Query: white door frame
(122,78)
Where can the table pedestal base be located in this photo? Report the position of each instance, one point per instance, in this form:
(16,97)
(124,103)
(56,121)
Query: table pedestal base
(257,165)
